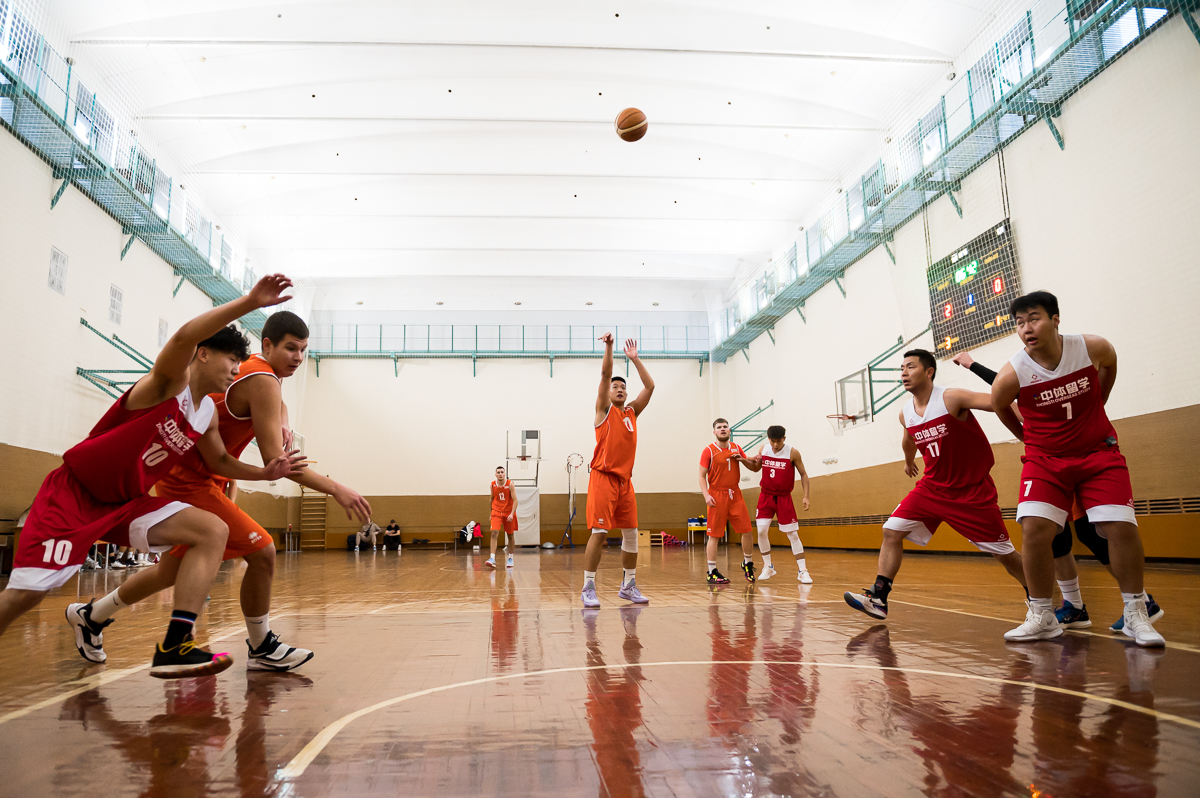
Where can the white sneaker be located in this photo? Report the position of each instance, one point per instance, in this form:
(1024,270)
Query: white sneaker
(803,578)
(1138,626)
(490,561)
(1038,626)
(767,573)
(509,564)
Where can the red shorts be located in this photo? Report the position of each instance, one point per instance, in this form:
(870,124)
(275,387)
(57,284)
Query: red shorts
(245,534)
(1099,481)
(978,520)
(611,502)
(501,522)
(778,505)
(66,520)
(730,507)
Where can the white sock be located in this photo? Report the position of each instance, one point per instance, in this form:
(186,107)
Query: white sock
(629,572)
(258,628)
(588,576)
(747,557)
(1042,605)
(767,561)
(800,565)
(1128,598)
(1070,591)
(107,607)
(712,566)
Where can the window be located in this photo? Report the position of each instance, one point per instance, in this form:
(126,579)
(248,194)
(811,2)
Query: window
(58,271)
(162,333)
(248,278)
(226,260)
(116,299)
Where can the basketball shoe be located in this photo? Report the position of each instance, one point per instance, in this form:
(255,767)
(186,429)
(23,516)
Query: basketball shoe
(630,592)
(1153,612)
(490,561)
(1138,626)
(510,562)
(868,603)
(275,655)
(748,571)
(89,635)
(715,577)
(803,577)
(767,572)
(1071,617)
(589,595)
(187,660)
(1038,625)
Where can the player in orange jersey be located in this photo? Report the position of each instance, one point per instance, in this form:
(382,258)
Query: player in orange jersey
(720,476)
(611,503)
(504,515)
(250,409)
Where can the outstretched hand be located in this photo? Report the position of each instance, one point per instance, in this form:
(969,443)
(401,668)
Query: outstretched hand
(289,464)
(631,349)
(353,503)
(606,339)
(269,291)
(963,359)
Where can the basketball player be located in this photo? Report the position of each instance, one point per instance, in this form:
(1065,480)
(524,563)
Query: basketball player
(504,516)
(101,491)
(779,464)
(251,408)
(1073,613)
(956,488)
(720,476)
(1061,383)
(611,502)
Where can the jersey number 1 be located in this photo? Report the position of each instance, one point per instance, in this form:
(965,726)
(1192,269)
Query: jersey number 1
(1067,405)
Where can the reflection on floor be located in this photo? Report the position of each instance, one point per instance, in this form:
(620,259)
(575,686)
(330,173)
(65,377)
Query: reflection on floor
(470,681)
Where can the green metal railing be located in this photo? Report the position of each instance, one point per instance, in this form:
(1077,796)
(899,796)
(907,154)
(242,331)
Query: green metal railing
(477,342)
(1055,48)
(45,106)
(114,381)
(756,436)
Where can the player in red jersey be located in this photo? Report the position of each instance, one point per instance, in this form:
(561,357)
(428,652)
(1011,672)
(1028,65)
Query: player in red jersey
(779,464)
(504,516)
(249,409)
(611,502)
(720,478)
(956,488)
(101,491)
(1061,383)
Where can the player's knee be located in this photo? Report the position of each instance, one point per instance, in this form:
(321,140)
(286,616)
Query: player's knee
(894,536)
(629,540)
(263,559)
(1062,543)
(210,531)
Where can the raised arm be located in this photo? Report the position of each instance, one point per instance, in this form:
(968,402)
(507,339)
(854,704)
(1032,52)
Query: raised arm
(223,464)
(643,398)
(910,450)
(981,371)
(1005,390)
(799,464)
(606,367)
(169,375)
(266,409)
(958,400)
(1104,358)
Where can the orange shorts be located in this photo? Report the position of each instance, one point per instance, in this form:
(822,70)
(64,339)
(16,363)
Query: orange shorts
(501,522)
(730,507)
(611,502)
(245,535)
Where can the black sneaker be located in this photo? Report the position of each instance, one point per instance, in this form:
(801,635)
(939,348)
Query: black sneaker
(274,655)
(748,570)
(89,635)
(715,577)
(187,660)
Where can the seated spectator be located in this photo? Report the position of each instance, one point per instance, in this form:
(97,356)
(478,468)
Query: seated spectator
(369,530)
(391,536)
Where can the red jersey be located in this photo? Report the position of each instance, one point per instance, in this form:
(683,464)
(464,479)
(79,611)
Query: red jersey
(1063,409)
(236,433)
(778,472)
(724,472)
(616,442)
(502,498)
(129,450)
(958,457)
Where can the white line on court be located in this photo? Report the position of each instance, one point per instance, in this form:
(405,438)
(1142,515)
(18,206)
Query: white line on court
(299,764)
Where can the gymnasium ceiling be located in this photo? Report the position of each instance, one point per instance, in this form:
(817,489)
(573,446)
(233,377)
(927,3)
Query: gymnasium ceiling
(380,141)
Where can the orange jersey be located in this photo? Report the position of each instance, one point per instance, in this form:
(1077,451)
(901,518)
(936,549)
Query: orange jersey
(723,471)
(236,433)
(502,498)
(616,442)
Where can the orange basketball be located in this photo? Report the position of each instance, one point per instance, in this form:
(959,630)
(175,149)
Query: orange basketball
(631,124)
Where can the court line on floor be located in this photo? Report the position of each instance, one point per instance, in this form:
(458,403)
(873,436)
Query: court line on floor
(300,763)
(1118,637)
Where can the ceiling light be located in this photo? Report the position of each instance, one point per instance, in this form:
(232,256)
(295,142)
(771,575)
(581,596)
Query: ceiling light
(516,303)
(951,76)
(359,302)
(655,304)
(589,303)
(438,303)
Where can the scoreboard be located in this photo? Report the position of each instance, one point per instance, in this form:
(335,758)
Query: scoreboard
(971,290)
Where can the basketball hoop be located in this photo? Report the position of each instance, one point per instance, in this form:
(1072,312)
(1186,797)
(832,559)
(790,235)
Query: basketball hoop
(839,421)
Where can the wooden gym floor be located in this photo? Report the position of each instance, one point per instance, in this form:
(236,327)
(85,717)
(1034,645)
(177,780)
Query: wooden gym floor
(436,676)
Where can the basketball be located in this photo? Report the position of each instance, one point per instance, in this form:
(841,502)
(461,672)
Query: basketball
(631,124)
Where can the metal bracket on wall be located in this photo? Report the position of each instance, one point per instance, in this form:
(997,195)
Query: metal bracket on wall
(755,435)
(701,368)
(838,283)
(889,252)
(552,367)
(129,244)
(746,355)
(771,335)
(1190,19)
(396,365)
(114,381)
(1057,136)
(800,310)
(59,194)
(474,366)
(178,285)
(950,193)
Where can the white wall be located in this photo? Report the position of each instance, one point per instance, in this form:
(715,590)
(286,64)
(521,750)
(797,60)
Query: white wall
(1108,225)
